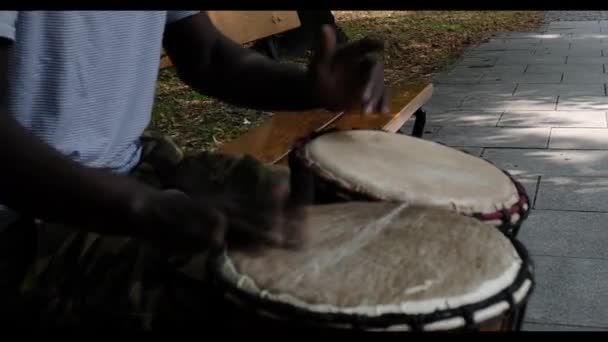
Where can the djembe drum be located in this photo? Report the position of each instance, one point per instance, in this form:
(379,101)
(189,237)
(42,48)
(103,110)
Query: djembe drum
(380,266)
(374,165)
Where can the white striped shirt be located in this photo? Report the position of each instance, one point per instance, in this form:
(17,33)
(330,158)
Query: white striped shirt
(84,81)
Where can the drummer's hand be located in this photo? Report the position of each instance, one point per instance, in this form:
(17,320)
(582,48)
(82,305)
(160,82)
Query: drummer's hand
(350,77)
(173,219)
(259,207)
(267,219)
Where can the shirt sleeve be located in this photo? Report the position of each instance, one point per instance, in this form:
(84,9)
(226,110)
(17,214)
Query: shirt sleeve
(8,20)
(173,16)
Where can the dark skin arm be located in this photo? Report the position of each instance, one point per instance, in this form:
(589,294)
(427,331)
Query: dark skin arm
(38,181)
(42,195)
(350,77)
(42,183)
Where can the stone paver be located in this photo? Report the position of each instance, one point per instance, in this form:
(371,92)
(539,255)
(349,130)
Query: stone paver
(472,79)
(499,54)
(530,184)
(524,35)
(569,68)
(529,118)
(585,45)
(556,327)
(555,44)
(573,193)
(586,36)
(579,138)
(580,103)
(531,60)
(569,291)
(490,69)
(480,61)
(573,77)
(580,16)
(476,151)
(497,103)
(534,103)
(550,51)
(596,89)
(465,118)
(587,60)
(502,47)
(490,90)
(528,77)
(532,162)
(444,103)
(429,130)
(493,137)
(566,234)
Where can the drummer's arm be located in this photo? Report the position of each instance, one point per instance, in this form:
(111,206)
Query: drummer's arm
(213,64)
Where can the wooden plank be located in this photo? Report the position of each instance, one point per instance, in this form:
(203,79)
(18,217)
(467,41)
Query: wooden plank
(248,26)
(273,139)
(405,101)
(165,62)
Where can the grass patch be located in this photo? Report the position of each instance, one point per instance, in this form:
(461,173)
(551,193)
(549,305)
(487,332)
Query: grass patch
(195,121)
(418,44)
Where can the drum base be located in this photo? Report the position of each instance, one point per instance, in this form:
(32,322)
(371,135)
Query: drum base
(418,130)
(238,318)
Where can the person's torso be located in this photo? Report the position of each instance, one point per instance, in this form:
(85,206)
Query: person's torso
(84,81)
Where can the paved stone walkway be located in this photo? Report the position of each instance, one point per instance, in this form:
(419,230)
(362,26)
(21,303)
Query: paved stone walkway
(575,15)
(535,104)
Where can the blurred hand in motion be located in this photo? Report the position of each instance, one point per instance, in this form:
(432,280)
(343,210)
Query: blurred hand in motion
(255,202)
(348,77)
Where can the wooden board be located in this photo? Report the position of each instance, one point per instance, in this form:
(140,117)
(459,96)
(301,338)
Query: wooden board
(165,62)
(247,26)
(273,139)
(406,99)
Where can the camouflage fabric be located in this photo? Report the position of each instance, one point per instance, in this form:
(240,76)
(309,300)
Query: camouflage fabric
(77,279)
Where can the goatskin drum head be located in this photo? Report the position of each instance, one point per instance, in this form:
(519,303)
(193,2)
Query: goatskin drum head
(377,259)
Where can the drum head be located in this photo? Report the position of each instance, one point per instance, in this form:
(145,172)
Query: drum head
(402,168)
(387,264)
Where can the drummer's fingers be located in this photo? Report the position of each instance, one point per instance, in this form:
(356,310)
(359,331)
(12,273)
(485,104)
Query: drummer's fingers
(327,44)
(278,228)
(361,47)
(301,191)
(295,232)
(376,89)
(283,229)
(384,104)
(201,224)
(286,228)
(252,233)
(244,243)
(280,193)
(368,67)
